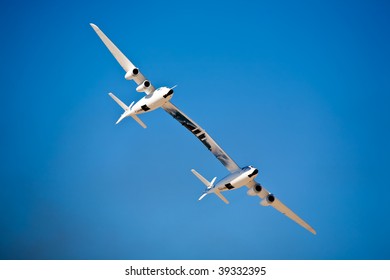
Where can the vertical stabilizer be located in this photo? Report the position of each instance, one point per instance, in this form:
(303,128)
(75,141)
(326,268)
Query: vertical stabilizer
(127,112)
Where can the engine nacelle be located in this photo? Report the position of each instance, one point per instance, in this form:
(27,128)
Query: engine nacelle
(131,74)
(255,190)
(268,200)
(144,86)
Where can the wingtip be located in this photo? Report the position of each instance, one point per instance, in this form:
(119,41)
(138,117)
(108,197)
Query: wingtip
(94,26)
(312,230)
(144,126)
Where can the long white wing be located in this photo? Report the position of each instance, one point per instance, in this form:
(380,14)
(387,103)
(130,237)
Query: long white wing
(202,135)
(126,64)
(278,205)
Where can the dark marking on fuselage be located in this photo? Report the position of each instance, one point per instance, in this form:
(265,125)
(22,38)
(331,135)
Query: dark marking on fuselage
(168,94)
(202,136)
(253,173)
(145,108)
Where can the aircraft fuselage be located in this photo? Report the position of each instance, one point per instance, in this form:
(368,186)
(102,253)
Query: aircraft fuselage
(152,101)
(237,179)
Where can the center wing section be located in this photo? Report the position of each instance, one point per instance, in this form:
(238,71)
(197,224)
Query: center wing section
(202,135)
(278,205)
(132,72)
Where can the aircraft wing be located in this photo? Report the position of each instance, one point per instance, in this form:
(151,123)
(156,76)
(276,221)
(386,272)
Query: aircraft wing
(132,72)
(278,205)
(202,135)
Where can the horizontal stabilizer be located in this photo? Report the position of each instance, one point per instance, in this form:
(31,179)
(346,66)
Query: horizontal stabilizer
(117,100)
(138,120)
(201,178)
(202,196)
(218,193)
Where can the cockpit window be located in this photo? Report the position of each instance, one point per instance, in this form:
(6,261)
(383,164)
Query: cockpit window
(168,94)
(247,168)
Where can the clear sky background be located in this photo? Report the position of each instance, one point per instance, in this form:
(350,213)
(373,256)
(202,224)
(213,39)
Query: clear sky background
(300,89)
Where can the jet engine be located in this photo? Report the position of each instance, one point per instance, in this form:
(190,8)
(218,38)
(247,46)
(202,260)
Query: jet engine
(255,190)
(131,74)
(268,200)
(144,86)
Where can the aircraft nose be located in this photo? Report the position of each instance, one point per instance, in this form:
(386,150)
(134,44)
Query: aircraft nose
(170,92)
(254,172)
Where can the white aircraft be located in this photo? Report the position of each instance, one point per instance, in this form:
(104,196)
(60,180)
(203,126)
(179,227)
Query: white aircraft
(154,99)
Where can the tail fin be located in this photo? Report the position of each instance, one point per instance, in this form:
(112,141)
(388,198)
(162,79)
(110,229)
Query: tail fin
(127,111)
(209,186)
(120,103)
(202,196)
(204,181)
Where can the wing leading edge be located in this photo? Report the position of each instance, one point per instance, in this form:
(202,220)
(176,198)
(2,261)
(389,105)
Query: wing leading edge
(126,64)
(278,205)
(202,135)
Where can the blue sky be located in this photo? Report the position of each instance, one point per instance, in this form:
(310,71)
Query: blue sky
(298,89)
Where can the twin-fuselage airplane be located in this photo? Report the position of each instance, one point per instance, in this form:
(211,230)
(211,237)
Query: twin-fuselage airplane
(160,98)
